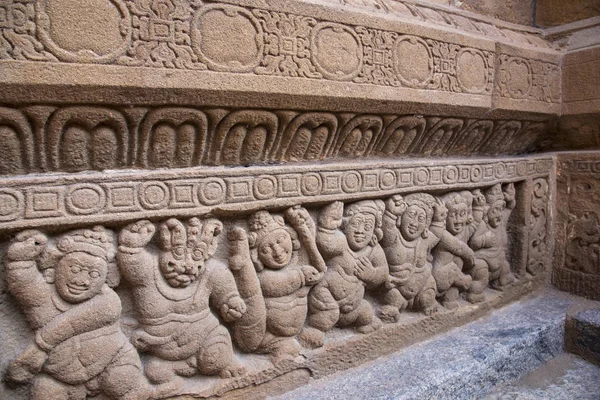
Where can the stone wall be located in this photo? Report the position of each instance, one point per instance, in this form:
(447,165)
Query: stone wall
(232,198)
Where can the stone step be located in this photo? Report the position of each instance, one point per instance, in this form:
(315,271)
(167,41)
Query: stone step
(465,363)
(582,333)
(565,377)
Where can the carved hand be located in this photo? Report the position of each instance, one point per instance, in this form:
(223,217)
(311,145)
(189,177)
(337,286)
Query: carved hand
(27,246)
(137,235)
(233,309)
(440,212)
(311,275)
(395,205)
(298,217)
(331,216)
(364,269)
(510,192)
(27,365)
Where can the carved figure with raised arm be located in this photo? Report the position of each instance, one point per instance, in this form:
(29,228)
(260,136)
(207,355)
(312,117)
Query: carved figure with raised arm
(490,241)
(348,240)
(65,292)
(173,288)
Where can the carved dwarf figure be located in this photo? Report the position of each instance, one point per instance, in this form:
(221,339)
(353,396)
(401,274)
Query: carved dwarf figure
(490,241)
(355,261)
(452,257)
(583,243)
(172,289)
(272,248)
(79,348)
(412,226)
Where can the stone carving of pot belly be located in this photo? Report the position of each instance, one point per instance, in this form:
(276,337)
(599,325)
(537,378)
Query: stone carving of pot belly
(173,288)
(271,248)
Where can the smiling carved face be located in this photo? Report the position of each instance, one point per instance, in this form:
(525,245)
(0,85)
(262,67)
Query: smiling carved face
(359,230)
(413,222)
(457,218)
(275,249)
(80,276)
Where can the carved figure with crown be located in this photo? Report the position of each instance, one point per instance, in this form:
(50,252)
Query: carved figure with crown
(347,237)
(490,241)
(174,286)
(412,226)
(272,248)
(64,288)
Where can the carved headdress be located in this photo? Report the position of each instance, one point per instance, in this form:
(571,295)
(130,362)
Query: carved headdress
(261,224)
(98,241)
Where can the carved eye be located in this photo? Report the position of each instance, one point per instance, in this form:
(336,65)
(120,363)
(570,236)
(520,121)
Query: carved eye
(94,274)
(421,218)
(75,269)
(178,252)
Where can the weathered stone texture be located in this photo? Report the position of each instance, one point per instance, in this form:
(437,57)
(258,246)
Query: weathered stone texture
(556,12)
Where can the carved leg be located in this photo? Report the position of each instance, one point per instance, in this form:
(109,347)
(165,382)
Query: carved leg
(216,355)
(123,378)
(481,277)
(425,300)
(506,276)
(45,387)
(364,318)
(393,303)
(323,314)
(450,298)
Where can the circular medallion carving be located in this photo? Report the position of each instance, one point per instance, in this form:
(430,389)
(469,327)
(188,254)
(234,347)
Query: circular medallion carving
(450,174)
(265,187)
(422,176)
(336,51)
(518,80)
(500,170)
(311,184)
(413,61)
(387,180)
(471,70)
(154,195)
(521,168)
(212,191)
(351,182)
(97,32)
(84,199)
(11,204)
(476,173)
(227,38)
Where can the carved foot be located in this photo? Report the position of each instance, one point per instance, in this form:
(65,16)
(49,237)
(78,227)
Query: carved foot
(431,309)
(232,370)
(372,327)
(451,304)
(475,297)
(286,349)
(389,314)
(504,281)
(311,338)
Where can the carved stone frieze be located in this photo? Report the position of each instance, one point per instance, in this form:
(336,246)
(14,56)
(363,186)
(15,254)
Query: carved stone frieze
(230,278)
(577,255)
(520,78)
(189,35)
(81,198)
(78,138)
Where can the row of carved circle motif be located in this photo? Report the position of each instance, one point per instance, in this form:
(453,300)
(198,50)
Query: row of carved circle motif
(81,199)
(237,45)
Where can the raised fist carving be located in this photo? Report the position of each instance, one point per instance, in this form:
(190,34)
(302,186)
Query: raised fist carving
(137,235)
(28,245)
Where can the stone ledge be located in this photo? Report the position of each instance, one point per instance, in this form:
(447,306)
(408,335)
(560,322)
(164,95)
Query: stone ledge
(462,364)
